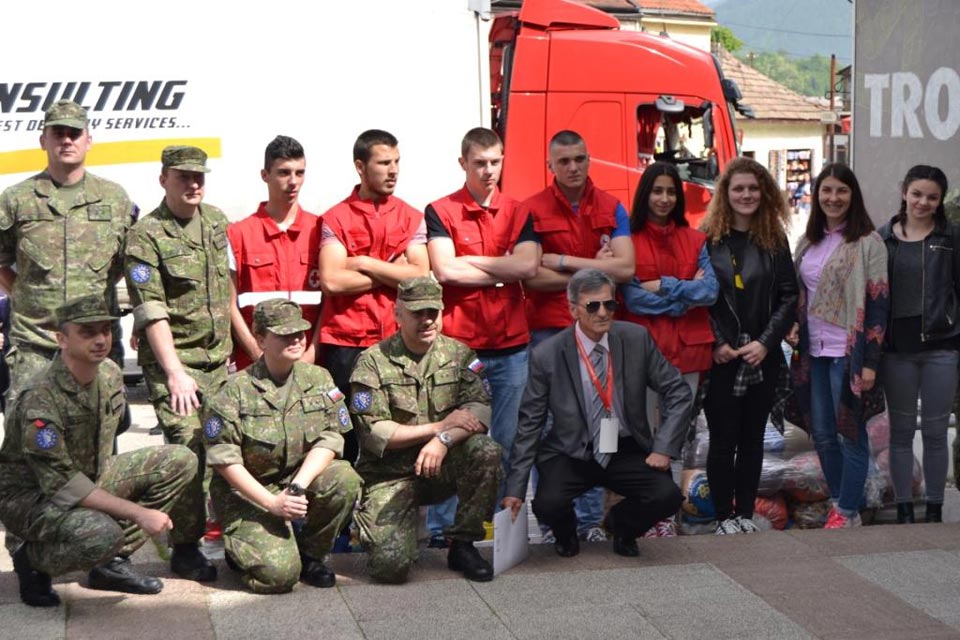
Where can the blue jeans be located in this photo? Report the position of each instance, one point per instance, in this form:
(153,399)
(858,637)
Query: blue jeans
(589,506)
(843,461)
(507,377)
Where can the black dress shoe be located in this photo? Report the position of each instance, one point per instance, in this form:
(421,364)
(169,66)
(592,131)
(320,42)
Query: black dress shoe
(118,575)
(464,557)
(625,546)
(316,574)
(36,588)
(567,546)
(231,563)
(188,563)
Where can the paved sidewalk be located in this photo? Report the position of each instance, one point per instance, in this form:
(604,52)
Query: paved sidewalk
(875,582)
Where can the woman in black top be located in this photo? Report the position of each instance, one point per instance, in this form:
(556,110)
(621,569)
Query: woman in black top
(746,237)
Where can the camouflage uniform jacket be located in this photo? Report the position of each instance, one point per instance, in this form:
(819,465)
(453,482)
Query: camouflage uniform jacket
(270,430)
(387,384)
(59,434)
(170,277)
(65,244)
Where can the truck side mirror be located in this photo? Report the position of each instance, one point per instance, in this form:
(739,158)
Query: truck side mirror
(669,104)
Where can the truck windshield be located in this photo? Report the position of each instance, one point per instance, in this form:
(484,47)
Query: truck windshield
(684,138)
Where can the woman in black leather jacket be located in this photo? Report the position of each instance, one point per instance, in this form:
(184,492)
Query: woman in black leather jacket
(748,247)
(923,336)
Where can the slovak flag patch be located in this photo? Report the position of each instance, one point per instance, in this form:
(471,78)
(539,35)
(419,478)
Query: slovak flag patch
(335,394)
(476,366)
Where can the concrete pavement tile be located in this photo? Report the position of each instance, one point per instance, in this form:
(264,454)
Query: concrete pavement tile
(21,621)
(612,622)
(755,547)
(372,602)
(828,599)
(879,539)
(307,612)
(179,611)
(928,580)
(438,624)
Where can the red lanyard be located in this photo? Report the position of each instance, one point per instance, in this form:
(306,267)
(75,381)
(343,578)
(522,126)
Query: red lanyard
(605,393)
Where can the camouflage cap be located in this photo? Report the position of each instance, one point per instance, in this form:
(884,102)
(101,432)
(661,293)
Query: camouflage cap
(279,316)
(84,310)
(65,113)
(422,292)
(185,159)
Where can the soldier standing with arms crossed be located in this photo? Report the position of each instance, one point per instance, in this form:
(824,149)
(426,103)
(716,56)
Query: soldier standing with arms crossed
(177,273)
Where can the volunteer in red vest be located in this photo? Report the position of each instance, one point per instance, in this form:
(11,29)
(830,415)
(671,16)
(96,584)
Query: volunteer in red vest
(580,227)
(368,244)
(481,248)
(274,252)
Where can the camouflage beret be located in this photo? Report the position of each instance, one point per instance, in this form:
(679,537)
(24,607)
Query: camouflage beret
(65,113)
(185,159)
(422,292)
(279,316)
(84,310)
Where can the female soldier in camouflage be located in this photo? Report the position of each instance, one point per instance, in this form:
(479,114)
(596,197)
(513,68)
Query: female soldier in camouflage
(273,434)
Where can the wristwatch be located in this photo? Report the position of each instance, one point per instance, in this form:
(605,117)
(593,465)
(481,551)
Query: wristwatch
(445,438)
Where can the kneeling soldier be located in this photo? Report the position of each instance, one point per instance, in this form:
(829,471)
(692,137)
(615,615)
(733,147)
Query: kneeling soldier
(273,434)
(422,411)
(73,503)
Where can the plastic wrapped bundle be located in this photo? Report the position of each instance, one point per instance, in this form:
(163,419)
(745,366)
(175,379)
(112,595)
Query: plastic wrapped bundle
(809,515)
(803,479)
(795,440)
(878,430)
(695,452)
(773,441)
(883,461)
(772,510)
(696,491)
(771,476)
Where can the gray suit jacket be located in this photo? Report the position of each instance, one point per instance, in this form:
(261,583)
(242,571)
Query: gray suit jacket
(554,385)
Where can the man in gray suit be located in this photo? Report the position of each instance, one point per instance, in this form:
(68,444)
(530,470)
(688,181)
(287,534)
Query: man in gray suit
(593,378)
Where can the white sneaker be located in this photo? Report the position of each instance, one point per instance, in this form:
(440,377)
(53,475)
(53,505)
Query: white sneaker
(594,534)
(747,525)
(728,527)
(547,537)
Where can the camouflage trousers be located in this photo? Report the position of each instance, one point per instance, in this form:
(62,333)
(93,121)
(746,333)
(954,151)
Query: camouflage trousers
(264,546)
(388,512)
(190,512)
(63,540)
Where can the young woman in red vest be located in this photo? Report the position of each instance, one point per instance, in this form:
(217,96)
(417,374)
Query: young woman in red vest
(674,285)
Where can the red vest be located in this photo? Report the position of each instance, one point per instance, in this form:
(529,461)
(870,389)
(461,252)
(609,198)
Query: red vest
(483,317)
(275,264)
(687,341)
(365,319)
(574,234)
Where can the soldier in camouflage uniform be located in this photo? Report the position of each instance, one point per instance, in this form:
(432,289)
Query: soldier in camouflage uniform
(177,275)
(273,434)
(62,491)
(422,411)
(64,229)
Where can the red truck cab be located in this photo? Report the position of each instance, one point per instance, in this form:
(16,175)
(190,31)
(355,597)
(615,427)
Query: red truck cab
(634,97)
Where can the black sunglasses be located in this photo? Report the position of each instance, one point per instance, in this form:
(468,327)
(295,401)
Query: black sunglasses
(594,305)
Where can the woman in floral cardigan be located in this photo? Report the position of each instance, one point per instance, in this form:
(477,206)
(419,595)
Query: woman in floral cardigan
(841,264)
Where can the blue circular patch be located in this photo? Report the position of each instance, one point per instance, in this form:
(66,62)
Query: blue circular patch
(212,427)
(344,416)
(361,400)
(46,438)
(486,387)
(140,273)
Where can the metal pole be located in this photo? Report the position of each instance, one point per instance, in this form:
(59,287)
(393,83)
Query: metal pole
(833,127)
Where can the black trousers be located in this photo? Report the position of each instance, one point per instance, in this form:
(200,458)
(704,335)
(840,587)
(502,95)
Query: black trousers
(340,361)
(736,426)
(649,495)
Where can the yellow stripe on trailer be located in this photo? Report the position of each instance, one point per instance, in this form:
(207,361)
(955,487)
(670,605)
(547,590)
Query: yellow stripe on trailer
(107,153)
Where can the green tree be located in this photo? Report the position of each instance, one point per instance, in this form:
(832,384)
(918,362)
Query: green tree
(725,37)
(807,76)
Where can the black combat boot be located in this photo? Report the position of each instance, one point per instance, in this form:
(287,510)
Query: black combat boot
(905,513)
(118,575)
(934,512)
(188,563)
(316,573)
(36,587)
(464,557)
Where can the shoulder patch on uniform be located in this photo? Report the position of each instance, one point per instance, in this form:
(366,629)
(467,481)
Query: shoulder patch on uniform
(140,273)
(212,427)
(39,424)
(476,366)
(343,416)
(46,438)
(362,400)
(335,394)
(486,387)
